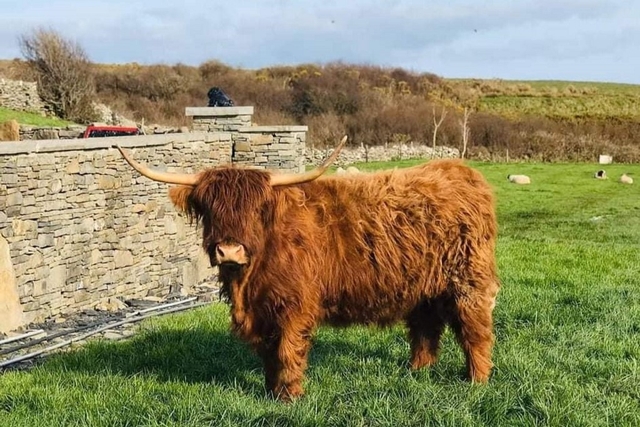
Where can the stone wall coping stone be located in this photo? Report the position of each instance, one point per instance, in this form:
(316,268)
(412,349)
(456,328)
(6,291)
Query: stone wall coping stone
(81,144)
(268,129)
(218,111)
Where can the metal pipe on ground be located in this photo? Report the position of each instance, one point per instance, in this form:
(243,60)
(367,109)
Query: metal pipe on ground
(23,336)
(88,334)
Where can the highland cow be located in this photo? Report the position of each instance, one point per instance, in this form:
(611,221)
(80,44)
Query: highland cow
(294,251)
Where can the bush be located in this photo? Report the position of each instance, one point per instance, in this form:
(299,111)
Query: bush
(63,72)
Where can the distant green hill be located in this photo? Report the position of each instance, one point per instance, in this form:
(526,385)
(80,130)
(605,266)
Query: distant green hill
(554,99)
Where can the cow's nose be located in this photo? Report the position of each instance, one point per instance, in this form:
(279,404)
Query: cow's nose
(230,253)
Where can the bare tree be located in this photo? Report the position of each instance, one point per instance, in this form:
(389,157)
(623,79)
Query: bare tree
(436,125)
(464,124)
(63,72)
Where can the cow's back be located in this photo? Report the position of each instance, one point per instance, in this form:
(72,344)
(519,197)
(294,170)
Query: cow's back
(391,239)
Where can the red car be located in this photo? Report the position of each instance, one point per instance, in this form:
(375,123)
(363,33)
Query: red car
(101,131)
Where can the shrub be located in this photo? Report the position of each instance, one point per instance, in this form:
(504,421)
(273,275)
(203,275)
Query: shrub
(63,72)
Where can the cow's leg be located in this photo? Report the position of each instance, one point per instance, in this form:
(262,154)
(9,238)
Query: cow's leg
(473,325)
(285,360)
(425,325)
(292,352)
(271,364)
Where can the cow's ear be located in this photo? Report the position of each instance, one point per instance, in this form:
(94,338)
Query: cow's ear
(180,197)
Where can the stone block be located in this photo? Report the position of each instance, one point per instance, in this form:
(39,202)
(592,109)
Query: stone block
(123,258)
(170,226)
(87,168)
(55,186)
(81,295)
(286,153)
(69,134)
(106,182)
(43,134)
(73,166)
(138,208)
(45,240)
(57,278)
(24,228)
(9,179)
(242,146)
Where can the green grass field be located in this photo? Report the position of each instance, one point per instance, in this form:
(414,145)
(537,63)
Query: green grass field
(31,119)
(555,99)
(567,352)
(566,107)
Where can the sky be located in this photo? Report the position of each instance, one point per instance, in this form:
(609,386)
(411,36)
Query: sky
(579,40)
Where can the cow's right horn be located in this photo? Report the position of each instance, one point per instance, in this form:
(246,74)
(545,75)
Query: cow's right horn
(299,178)
(168,177)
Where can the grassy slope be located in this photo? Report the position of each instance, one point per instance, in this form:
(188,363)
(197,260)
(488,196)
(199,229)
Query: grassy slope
(561,99)
(32,119)
(566,107)
(567,324)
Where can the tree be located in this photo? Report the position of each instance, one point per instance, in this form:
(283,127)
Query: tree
(464,125)
(63,73)
(436,125)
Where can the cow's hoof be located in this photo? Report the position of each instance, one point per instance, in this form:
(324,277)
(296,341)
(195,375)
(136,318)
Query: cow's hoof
(422,360)
(288,393)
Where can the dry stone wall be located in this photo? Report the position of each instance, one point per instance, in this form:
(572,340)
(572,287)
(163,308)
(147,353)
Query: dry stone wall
(28,133)
(267,147)
(271,147)
(22,96)
(383,153)
(82,225)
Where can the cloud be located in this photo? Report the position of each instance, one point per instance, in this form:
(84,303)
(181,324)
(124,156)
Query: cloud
(448,37)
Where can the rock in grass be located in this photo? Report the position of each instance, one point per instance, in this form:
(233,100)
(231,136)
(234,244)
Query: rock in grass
(626,179)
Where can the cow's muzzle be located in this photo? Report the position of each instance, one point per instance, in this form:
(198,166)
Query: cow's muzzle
(231,254)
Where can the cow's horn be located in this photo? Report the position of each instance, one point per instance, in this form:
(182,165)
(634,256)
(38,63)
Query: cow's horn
(168,177)
(299,178)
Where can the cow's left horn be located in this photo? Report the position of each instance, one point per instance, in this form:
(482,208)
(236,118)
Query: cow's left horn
(299,178)
(168,177)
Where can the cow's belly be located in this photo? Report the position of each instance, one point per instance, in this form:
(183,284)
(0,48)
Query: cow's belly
(374,306)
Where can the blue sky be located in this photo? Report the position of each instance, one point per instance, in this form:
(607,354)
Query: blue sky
(589,40)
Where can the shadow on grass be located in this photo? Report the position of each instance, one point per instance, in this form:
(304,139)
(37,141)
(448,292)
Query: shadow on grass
(193,355)
(203,355)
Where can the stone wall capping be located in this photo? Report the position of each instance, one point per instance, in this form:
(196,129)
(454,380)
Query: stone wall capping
(203,112)
(273,129)
(82,144)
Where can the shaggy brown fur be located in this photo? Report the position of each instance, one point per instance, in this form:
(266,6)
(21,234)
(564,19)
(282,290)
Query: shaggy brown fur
(413,245)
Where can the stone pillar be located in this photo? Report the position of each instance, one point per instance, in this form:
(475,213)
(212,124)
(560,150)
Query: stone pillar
(219,119)
(271,147)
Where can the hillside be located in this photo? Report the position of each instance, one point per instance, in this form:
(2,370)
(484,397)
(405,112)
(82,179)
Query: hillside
(541,120)
(556,99)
